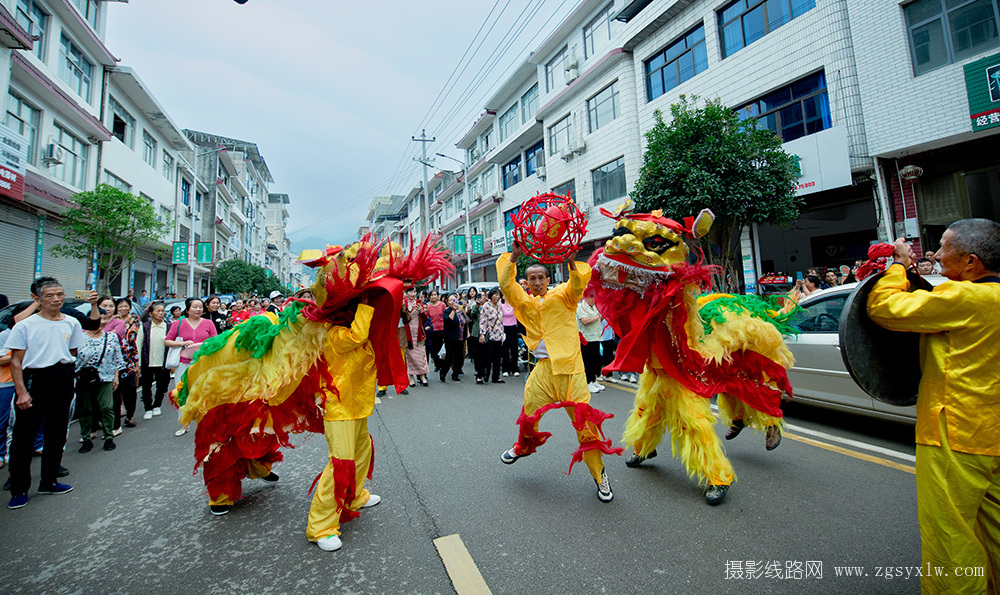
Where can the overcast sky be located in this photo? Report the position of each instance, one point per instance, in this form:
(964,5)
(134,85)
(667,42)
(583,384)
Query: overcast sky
(331,91)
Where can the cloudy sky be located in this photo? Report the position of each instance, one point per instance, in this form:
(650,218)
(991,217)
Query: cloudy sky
(331,91)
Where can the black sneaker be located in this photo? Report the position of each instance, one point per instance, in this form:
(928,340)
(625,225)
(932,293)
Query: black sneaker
(272,477)
(604,493)
(220,509)
(87,446)
(405,392)
(635,460)
(499,382)
(508,457)
(55,488)
(380,393)
(109,444)
(716,494)
(62,472)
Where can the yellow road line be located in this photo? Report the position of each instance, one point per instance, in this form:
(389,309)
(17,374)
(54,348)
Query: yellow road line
(465,576)
(627,389)
(852,453)
(838,449)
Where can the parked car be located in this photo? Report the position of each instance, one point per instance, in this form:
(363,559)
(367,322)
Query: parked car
(481,286)
(7,314)
(819,376)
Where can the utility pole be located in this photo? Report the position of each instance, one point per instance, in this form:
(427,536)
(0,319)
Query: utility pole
(425,212)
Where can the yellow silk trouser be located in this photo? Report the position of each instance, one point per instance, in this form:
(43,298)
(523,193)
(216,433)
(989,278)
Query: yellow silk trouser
(543,387)
(661,403)
(732,409)
(346,440)
(255,470)
(958,504)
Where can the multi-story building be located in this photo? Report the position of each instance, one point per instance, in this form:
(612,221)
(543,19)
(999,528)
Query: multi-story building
(278,258)
(54,56)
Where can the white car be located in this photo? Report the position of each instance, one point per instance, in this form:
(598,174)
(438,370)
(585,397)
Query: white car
(819,376)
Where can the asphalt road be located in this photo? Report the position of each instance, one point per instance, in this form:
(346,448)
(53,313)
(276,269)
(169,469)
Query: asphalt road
(138,521)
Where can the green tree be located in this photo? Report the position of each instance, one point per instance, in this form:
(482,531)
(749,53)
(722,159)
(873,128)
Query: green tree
(237,276)
(708,157)
(113,222)
(267,284)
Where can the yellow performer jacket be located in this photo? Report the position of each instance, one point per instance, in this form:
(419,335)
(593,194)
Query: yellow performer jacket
(960,356)
(354,372)
(552,318)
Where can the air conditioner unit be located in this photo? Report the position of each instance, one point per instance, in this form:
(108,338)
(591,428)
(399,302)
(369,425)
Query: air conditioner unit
(571,74)
(566,154)
(540,171)
(53,154)
(580,148)
(500,195)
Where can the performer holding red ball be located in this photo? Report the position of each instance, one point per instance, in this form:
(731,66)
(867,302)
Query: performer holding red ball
(558,380)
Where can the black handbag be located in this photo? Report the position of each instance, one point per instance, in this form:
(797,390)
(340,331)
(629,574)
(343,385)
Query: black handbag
(88,375)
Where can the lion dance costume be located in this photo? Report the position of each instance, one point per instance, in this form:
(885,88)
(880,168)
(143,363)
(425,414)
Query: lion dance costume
(689,348)
(312,368)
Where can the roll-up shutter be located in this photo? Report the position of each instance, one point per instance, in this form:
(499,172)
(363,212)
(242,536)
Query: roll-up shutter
(18,232)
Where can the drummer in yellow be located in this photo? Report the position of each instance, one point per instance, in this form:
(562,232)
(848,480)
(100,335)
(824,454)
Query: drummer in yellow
(350,399)
(958,403)
(558,379)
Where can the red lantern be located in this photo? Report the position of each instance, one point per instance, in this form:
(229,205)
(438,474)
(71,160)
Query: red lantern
(549,227)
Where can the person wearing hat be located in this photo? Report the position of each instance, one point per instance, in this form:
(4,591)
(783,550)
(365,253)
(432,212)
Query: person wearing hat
(276,301)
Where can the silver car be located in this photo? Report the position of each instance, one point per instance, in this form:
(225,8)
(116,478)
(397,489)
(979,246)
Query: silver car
(819,376)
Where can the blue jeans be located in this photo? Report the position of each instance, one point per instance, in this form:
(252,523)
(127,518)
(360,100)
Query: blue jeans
(6,403)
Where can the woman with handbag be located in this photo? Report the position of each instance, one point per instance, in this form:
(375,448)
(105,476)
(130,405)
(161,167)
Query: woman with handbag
(97,365)
(188,333)
(152,360)
(127,392)
(491,338)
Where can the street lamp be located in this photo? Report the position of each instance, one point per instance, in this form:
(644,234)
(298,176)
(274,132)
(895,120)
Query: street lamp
(468,199)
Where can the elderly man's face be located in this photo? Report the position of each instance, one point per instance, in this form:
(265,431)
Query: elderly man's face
(953,263)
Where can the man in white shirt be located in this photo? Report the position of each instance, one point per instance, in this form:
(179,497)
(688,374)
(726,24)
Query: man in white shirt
(43,351)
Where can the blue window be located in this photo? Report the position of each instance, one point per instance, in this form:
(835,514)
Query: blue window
(745,21)
(676,63)
(793,111)
(512,172)
(533,158)
(185,193)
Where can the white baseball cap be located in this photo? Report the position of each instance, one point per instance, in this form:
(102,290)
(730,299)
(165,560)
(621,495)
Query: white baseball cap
(275,294)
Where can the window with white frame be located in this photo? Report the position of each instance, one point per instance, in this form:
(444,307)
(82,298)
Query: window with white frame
(449,207)
(23,119)
(74,68)
(793,111)
(474,188)
(149,148)
(185,193)
(168,167)
(534,157)
(472,155)
(554,70)
(90,10)
(164,216)
(508,123)
(566,189)
(676,63)
(122,123)
(745,21)
(488,180)
(609,181)
(559,134)
(603,107)
(529,104)
(597,33)
(112,180)
(485,140)
(947,31)
(512,172)
(197,201)
(35,21)
(489,224)
(73,169)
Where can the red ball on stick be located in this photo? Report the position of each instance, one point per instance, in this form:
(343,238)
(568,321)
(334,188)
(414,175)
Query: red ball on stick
(549,227)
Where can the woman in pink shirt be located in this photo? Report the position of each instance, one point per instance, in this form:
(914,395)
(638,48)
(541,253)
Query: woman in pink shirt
(189,332)
(435,339)
(509,349)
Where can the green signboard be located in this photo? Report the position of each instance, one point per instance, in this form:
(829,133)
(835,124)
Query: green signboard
(982,85)
(180,254)
(477,244)
(459,245)
(204,253)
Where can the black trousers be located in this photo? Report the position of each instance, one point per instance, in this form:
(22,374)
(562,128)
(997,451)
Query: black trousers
(126,394)
(161,376)
(51,391)
(509,349)
(591,353)
(434,343)
(490,356)
(454,354)
(473,351)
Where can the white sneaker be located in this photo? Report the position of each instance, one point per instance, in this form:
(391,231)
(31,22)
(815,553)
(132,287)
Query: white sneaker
(330,543)
(600,386)
(117,432)
(372,501)
(147,415)
(634,379)
(602,377)
(604,493)
(505,374)
(592,387)
(517,373)
(156,411)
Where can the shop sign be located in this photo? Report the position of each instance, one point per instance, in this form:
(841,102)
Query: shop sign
(508,227)
(499,242)
(982,86)
(204,253)
(459,244)
(13,156)
(477,243)
(823,159)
